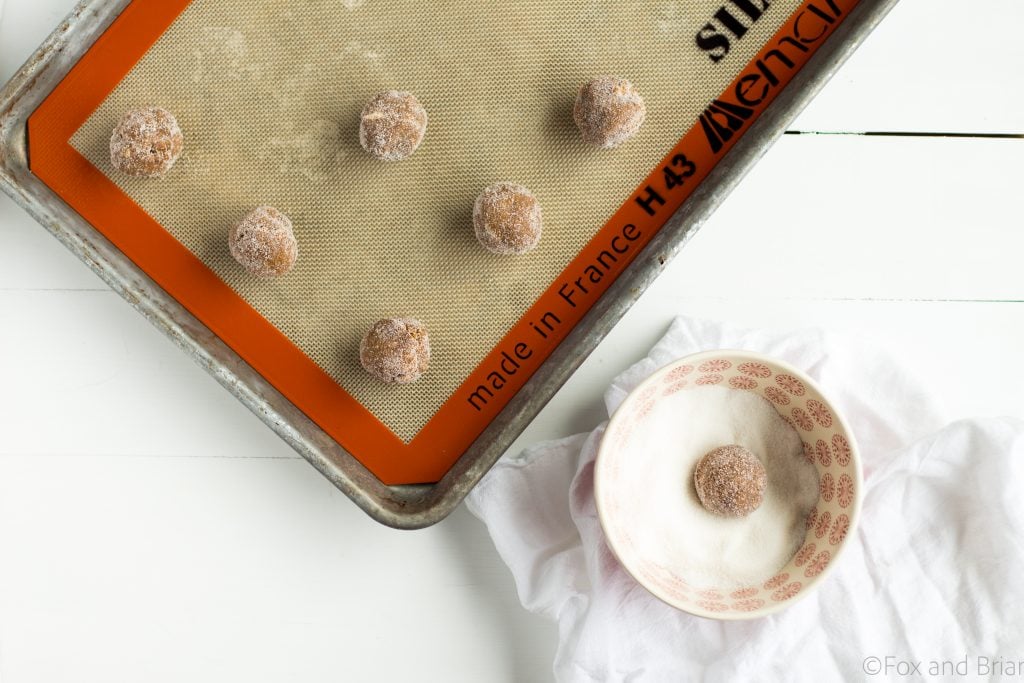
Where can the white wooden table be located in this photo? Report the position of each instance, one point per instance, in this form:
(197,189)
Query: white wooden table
(152,529)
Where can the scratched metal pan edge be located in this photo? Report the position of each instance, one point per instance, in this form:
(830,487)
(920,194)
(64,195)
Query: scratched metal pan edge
(405,507)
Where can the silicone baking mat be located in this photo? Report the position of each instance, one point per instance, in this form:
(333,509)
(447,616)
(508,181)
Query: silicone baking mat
(269,95)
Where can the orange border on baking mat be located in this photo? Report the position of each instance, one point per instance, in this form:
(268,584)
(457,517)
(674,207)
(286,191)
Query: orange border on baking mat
(516,357)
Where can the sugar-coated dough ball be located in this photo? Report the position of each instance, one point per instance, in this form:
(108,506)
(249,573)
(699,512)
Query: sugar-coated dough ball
(507,219)
(396,350)
(608,111)
(392,125)
(730,481)
(264,243)
(146,142)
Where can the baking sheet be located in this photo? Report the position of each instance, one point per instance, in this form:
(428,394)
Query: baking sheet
(57,63)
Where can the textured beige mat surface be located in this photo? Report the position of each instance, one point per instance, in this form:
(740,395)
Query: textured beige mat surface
(269,96)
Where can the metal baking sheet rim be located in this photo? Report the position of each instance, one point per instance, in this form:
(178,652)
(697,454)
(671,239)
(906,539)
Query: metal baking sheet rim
(405,507)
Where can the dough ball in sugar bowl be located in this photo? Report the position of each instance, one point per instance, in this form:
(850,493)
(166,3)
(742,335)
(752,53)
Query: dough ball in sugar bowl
(730,481)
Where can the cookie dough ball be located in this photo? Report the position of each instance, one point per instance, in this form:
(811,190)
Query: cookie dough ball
(263,242)
(392,125)
(730,481)
(507,220)
(146,142)
(608,111)
(396,350)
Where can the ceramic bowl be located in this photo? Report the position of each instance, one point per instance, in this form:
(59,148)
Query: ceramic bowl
(827,444)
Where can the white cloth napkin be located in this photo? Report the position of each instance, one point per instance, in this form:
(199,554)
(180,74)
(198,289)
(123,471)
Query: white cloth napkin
(932,577)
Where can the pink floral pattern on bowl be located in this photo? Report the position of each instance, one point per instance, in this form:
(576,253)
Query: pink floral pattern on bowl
(842,449)
(715,365)
(824,452)
(823,525)
(791,384)
(828,445)
(820,413)
(787,592)
(839,530)
(801,419)
(804,554)
(828,487)
(755,370)
(679,373)
(776,396)
(845,490)
(750,605)
(744,383)
(812,519)
(818,564)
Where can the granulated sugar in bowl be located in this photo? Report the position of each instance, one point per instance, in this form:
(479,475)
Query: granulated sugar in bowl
(755,539)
